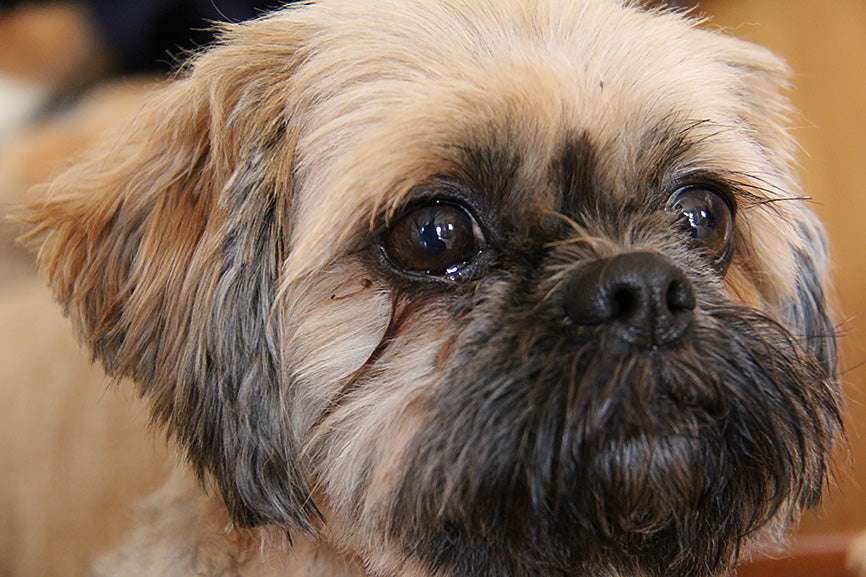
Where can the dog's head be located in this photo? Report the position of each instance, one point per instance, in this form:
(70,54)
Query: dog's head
(484,287)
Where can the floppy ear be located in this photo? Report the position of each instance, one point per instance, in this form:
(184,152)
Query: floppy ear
(165,251)
(807,309)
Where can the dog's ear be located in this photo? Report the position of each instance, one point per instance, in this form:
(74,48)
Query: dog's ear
(808,312)
(798,271)
(165,250)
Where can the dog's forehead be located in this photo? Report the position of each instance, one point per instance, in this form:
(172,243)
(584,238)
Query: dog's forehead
(521,94)
(516,69)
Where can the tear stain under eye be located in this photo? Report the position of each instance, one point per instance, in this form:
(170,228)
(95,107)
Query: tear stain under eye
(403,310)
(396,319)
(366,284)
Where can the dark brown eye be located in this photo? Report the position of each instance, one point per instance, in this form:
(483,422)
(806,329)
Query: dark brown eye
(708,220)
(435,239)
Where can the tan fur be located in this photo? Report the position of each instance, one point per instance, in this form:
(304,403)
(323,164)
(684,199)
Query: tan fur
(275,156)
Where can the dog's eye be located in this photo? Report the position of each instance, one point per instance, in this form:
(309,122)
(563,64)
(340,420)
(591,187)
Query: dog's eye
(707,218)
(436,239)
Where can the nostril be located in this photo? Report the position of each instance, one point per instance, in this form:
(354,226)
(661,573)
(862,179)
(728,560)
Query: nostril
(623,302)
(680,296)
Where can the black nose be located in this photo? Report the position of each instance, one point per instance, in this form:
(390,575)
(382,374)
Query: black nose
(643,297)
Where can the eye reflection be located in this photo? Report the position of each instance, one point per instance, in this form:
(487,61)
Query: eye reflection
(707,218)
(435,239)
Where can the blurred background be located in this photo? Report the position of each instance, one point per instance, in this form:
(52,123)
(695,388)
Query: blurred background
(80,453)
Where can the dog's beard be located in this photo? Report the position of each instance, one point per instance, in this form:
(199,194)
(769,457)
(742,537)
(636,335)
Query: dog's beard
(548,450)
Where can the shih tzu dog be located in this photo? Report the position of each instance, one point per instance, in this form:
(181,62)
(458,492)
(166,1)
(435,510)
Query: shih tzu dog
(459,288)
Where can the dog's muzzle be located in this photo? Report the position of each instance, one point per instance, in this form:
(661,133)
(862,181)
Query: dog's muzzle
(594,419)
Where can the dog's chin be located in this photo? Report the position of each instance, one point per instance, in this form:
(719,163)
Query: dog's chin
(593,453)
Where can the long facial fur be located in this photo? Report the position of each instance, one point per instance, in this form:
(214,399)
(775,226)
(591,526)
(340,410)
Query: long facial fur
(224,257)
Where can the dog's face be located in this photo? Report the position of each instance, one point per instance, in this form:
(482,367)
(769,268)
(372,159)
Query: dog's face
(473,288)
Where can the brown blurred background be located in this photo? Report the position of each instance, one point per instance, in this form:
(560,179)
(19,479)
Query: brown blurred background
(54,62)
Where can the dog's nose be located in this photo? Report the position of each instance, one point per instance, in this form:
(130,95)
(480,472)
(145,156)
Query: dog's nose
(643,297)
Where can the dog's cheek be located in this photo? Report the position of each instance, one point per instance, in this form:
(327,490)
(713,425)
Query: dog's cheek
(361,477)
(360,449)
(781,270)
(740,286)
(333,326)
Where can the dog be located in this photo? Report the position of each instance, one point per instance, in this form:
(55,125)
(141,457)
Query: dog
(459,287)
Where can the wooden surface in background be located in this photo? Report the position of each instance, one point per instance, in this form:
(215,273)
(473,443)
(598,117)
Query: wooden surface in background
(808,556)
(825,44)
